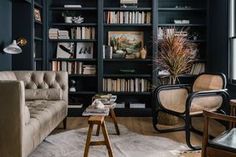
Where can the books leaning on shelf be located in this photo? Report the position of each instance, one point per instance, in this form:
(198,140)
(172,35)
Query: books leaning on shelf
(83,33)
(126,85)
(197,68)
(107,52)
(127,17)
(74,67)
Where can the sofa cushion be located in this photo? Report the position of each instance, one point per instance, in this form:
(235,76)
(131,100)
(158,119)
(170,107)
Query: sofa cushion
(43,94)
(26,115)
(8,76)
(45,116)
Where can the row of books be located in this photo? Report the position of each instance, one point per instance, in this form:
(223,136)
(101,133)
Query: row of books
(74,67)
(126,85)
(127,17)
(197,68)
(83,33)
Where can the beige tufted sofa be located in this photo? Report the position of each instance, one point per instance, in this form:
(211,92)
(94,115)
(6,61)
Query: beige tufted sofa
(32,104)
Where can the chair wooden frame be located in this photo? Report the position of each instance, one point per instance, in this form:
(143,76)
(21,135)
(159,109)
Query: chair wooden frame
(207,150)
(188,128)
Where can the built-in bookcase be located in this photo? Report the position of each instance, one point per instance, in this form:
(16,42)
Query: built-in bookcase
(27,25)
(172,13)
(86,85)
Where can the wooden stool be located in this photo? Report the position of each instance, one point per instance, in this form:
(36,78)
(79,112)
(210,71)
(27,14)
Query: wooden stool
(113,117)
(97,120)
(232,110)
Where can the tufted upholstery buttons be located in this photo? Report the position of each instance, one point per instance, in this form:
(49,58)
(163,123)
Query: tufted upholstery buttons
(44,80)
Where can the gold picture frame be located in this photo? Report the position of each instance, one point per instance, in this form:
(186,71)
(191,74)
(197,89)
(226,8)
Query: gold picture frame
(37,15)
(130,41)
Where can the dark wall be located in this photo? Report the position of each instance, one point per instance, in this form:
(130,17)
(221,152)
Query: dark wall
(5,32)
(218,36)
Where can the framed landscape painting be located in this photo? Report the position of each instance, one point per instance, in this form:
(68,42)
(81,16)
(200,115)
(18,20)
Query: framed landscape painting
(126,41)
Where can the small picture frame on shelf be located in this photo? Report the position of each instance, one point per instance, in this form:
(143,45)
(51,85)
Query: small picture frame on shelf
(84,50)
(127,43)
(65,50)
(37,15)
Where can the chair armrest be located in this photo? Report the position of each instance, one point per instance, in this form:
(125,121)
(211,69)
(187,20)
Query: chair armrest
(217,116)
(173,93)
(222,92)
(12,101)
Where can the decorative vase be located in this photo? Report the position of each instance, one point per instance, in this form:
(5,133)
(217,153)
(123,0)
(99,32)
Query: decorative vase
(68,19)
(143,53)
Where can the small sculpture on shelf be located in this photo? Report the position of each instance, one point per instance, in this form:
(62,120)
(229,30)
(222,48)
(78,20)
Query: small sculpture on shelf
(72,86)
(143,53)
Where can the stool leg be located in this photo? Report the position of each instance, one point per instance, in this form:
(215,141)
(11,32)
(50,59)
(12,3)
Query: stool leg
(86,150)
(98,130)
(107,141)
(113,117)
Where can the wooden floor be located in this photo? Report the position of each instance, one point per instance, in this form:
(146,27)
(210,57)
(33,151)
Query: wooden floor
(143,125)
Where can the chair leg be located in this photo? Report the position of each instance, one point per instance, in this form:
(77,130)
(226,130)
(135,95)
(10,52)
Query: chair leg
(98,130)
(188,133)
(65,123)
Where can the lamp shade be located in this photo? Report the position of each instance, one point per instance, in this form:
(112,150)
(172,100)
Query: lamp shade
(12,48)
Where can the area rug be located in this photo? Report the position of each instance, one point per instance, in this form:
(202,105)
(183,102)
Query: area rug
(128,144)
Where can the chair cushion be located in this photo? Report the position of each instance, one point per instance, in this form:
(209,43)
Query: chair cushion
(226,141)
(26,115)
(43,94)
(209,103)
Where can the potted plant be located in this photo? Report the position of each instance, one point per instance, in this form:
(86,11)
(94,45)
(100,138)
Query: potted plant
(176,54)
(68,16)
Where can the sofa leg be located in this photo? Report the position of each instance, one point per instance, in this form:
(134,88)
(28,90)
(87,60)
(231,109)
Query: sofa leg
(65,123)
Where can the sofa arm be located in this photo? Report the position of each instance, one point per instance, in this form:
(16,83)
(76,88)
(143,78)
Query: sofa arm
(12,103)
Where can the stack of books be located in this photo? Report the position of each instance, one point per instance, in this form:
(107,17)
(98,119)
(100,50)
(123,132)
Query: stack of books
(53,33)
(127,17)
(107,52)
(126,85)
(89,69)
(63,34)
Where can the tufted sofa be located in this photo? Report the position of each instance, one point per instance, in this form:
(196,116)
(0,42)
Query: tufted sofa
(32,104)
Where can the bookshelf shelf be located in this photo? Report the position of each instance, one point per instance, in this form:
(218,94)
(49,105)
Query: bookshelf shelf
(127,76)
(127,60)
(72,40)
(181,25)
(74,60)
(38,59)
(81,75)
(73,9)
(130,93)
(127,25)
(74,24)
(83,93)
(38,38)
(126,9)
(181,9)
